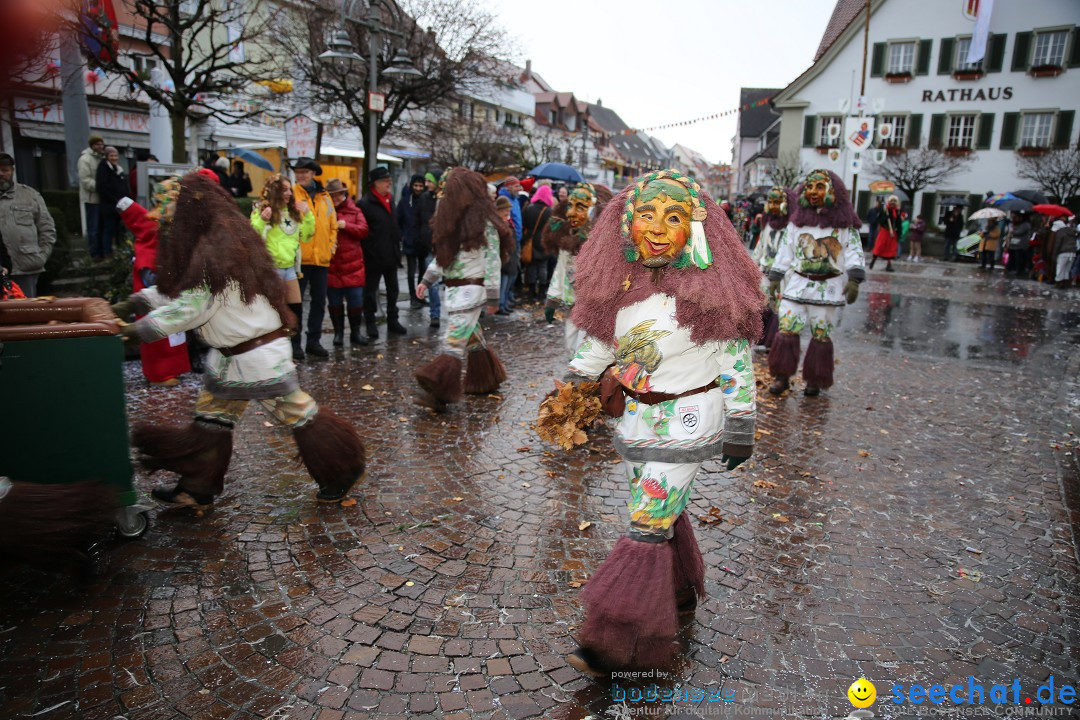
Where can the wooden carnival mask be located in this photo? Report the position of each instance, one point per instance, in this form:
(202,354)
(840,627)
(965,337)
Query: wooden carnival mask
(578,205)
(776,202)
(818,190)
(661,224)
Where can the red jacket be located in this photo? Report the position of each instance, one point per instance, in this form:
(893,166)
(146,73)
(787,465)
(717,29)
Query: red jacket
(347,265)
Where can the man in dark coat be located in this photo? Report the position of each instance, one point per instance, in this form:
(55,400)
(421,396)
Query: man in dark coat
(382,252)
(408,225)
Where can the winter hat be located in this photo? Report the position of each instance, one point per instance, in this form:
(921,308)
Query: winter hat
(543,195)
(94,139)
(378,174)
(334,185)
(222,163)
(502,202)
(527,184)
(207,172)
(430,177)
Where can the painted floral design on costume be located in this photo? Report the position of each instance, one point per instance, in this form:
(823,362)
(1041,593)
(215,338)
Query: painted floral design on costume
(654,503)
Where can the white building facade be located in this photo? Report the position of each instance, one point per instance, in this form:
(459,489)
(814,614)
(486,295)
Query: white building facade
(1021,99)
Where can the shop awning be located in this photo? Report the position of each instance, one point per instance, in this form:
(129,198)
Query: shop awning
(360,154)
(119,138)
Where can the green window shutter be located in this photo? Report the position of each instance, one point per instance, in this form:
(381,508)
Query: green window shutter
(1074,53)
(922,64)
(1021,52)
(995,53)
(937,130)
(914,130)
(986,131)
(928,201)
(945,56)
(862,205)
(877,61)
(975,202)
(809,131)
(1010,124)
(1063,132)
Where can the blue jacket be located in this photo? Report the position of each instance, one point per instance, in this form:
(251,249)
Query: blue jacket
(515,213)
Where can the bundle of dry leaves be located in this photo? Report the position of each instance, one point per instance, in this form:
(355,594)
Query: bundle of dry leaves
(566,413)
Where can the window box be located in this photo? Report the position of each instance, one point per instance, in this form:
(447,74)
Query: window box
(957,150)
(1032,151)
(899,77)
(968,74)
(1045,71)
(891,150)
(824,149)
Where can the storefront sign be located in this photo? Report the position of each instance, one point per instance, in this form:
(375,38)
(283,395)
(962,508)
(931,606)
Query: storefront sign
(302,137)
(100,118)
(967,94)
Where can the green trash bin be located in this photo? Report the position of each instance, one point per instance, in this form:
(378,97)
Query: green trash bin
(61,375)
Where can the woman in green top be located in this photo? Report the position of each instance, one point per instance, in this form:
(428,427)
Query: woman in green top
(283,223)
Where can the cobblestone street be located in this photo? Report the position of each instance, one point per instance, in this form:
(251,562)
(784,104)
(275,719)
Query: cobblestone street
(916,524)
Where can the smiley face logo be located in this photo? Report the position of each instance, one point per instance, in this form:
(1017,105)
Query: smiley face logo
(862,693)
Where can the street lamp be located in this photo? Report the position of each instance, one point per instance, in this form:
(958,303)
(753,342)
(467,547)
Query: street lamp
(342,55)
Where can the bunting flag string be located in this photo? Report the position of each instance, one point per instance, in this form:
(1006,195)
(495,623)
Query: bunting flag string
(704,118)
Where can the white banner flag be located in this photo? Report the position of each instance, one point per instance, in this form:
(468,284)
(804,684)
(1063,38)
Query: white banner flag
(977,49)
(859,133)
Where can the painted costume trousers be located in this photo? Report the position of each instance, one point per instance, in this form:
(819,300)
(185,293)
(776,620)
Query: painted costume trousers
(463,331)
(659,492)
(292,410)
(795,316)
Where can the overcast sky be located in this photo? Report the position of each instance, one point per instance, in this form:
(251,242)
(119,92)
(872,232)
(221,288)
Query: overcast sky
(711,48)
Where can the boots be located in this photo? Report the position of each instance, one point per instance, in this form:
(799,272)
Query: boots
(356,324)
(199,452)
(298,311)
(333,454)
(337,319)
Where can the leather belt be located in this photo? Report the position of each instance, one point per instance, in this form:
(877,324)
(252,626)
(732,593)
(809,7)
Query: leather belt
(652,398)
(463,282)
(249,345)
(818,277)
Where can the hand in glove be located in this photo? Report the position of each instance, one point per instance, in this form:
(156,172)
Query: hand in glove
(549,315)
(774,289)
(124,309)
(851,291)
(130,334)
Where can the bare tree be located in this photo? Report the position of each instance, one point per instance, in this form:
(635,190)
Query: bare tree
(25,40)
(1056,173)
(914,170)
(211,52)
(538,145)
(479,145)
(455,44)
(789,169)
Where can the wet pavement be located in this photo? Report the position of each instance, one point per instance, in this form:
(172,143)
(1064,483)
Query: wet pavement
(912,525)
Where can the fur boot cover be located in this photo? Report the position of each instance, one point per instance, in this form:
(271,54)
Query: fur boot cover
(784,355)
(484,372)
(54,524)
(689,565)
(332,452)
(817,369)
(772,327)
(442,378)
(199,452)
(630,616)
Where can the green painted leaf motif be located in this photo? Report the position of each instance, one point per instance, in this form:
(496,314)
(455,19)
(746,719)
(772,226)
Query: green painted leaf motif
(744,395)
(740,365)
(585,347)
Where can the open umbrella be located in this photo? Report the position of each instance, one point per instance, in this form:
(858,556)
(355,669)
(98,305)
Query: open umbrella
(1052,210)
(252,157)
(1010,203)
(556,171)
(986,214)
(1032,196)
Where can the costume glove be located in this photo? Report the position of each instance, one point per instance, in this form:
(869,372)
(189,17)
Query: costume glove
(851,291)
(124,309)
(130,334)
(549,315)
(774,289)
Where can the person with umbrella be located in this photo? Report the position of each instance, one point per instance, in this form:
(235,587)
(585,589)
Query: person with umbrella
(1062,250)
(1019,244)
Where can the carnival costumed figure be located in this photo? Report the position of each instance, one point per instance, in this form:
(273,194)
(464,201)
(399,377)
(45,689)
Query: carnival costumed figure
(775,216)
(821,245)
(565,233)
(165,360)
(215,275)
(668,298)
(471,242)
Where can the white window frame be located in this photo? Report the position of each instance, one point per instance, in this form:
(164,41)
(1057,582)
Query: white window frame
(1033,140)
(906,49)
(899,137)
(960,63)
(1049,46)
(938,207)
(823,130)
(965,133)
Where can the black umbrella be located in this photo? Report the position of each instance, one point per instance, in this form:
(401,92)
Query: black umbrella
(1032,196)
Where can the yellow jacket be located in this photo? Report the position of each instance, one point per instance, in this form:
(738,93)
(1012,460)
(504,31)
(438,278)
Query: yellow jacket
(324,242)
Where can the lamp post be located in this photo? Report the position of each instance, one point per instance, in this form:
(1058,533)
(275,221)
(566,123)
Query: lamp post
(341,53)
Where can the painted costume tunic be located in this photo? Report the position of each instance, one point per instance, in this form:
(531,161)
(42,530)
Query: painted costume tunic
(561,289)
(224,321)
(765,252)
(463,303)
(818,259)
(663,445)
